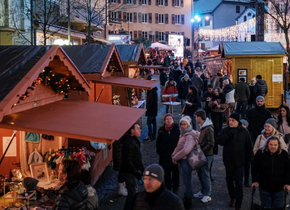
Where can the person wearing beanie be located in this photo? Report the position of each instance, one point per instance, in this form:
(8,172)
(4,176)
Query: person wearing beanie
(269,130)
(156,196)
(191,104)
(167,138)
(257,117)
(182,88)
(170,88)
(237,151)
(187,141)
(260,88)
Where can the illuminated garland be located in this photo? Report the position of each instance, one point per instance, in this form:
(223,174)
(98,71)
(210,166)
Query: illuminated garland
(57,82)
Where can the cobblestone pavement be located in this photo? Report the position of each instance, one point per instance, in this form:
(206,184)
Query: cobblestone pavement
(107,185)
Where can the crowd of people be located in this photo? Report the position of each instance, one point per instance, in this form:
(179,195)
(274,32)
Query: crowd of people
(216,112)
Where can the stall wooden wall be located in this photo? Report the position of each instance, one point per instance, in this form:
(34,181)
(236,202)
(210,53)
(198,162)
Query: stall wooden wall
(265,66)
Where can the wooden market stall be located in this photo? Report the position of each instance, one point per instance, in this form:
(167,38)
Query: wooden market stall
(249,59)
(43,92)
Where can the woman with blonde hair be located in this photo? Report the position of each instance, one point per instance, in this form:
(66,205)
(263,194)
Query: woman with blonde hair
(269,130)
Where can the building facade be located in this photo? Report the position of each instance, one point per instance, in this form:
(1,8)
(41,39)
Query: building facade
(153,20)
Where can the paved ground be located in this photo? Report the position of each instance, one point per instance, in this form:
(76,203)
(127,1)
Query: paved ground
(107,185)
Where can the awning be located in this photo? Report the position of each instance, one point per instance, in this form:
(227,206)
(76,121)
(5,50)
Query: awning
(129,82)
(76,119)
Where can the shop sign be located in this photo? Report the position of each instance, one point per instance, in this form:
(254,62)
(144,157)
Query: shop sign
(277,78)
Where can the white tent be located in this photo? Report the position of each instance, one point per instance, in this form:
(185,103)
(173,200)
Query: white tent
(161,46)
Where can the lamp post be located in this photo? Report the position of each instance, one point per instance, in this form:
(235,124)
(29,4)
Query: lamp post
(195,30)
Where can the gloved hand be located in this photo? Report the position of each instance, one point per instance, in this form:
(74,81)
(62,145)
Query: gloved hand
(138,175)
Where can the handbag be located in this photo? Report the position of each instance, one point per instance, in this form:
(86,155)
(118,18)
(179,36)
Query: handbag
(196,157)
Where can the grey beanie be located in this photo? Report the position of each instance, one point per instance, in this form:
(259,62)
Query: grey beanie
(244,122)
(260,97)
(272,122)
(155,171)
(186,76)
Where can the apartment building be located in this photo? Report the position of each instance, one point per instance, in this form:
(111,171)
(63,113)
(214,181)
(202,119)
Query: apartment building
(152,19)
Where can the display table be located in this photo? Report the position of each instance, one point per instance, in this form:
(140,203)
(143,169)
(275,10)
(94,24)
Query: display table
(171,104)
(11,198)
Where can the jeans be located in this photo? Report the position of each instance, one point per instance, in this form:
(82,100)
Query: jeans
(151,120)
(204,177)
(171,177)
(186,177)
(242,107)
(234,178)
(272,200)
(131,185)
(182,101)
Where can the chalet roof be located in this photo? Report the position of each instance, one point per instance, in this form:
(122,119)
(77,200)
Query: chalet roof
(21,66)
(92,58)
(202,6)
(15,63)
(131,52)
(252,48)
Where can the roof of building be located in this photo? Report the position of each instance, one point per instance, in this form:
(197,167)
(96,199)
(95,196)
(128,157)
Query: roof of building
(246,10)
(130,52)
(16,62)
(252,48)
(202,6)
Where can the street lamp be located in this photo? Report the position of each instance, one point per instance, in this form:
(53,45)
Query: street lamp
(195,28)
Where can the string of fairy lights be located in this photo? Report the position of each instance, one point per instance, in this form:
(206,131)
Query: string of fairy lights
(242,32)
(57,82)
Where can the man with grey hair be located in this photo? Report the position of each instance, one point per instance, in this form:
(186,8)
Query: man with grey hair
(257,117)
(271,173)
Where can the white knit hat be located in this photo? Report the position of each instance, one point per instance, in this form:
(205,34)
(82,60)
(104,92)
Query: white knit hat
(185,119)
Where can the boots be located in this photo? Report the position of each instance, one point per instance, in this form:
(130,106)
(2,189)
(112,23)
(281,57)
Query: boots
(187,203)
(122,189)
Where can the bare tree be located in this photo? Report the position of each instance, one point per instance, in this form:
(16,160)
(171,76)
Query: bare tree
(96,13)
(47,17)
(279,12)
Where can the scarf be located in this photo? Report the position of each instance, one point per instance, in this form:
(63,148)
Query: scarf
(183,131)
(168,128)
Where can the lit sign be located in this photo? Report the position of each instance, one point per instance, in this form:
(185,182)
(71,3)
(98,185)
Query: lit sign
(176,41)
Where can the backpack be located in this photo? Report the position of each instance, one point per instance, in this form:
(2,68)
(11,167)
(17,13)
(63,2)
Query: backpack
(117,153)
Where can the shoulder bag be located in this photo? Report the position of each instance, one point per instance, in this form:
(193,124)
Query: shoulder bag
(286,136)
(196,157)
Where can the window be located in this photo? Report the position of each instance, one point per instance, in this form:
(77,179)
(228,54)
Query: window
(161,2)
(249,14)
(114,16)
(245,18)
(114,1)
(162,36)
(207,22)
(129,1)
(161,18)
(130,17)
(238,9)
(145,34)
(177,19)
(144,18)
(177,3)
(145,2)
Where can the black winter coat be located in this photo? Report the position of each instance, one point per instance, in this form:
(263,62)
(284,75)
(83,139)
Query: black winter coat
(161,199)
(152,102)
(272,172)
(237,144)
(190,109)
(206,137)
(260,88)
(163,78)
(257,117)
(204,99)
(166,143)
(72,196)
(183,88)
(131,155)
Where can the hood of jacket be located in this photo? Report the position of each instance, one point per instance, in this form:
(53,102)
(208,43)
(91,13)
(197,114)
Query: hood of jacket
(167,83)
(206,123)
